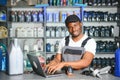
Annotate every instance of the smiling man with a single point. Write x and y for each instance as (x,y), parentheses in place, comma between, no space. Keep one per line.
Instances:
(76,50)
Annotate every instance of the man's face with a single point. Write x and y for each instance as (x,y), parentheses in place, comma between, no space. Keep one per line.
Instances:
(75,28)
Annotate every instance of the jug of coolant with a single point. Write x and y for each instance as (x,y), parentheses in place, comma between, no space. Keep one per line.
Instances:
(117,63)
(15,59)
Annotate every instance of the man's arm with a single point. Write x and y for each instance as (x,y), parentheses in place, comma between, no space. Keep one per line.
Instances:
(84,62)
(58,57)
(56,60)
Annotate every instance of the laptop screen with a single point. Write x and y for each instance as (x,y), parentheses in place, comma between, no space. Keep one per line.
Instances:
(36,64)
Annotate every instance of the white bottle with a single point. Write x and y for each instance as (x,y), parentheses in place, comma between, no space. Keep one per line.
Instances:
(52,48)
(57,32)
(15,61)
(40,31)
(35,47)
(47,32)
(26,48)
(35,32)
(40,44)
(66,32)
(11,32)
(62,32)
(56,46)
(52,32)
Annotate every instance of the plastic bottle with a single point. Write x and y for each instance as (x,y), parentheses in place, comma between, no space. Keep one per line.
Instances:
(66,32)
(117,63)
(40,15)
(48,47)
(57,32)
(62,32)
(34,16)
(35,32)
(0,59)
(28,16)
(26,48)
(3,63)
(47,32)
(35,47)
(15,59)
(56,46)
(52,32)
(52,48)
(40,44)
(25,52)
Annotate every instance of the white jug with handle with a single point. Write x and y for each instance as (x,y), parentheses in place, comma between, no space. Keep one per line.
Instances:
(15,60)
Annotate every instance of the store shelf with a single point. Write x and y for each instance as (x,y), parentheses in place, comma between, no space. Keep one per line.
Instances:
(100,10)
(104,53)
(27,37)
(77,9)
(110,22)
(101,6)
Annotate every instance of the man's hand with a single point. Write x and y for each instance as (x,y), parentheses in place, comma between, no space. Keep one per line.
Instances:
(53,62)
(53,68)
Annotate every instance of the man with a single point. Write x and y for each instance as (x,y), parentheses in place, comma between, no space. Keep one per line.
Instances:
(74,25)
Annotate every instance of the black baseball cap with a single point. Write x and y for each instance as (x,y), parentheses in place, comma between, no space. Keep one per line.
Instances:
(72,18)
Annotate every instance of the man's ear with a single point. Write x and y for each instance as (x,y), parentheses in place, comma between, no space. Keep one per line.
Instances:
(81,23)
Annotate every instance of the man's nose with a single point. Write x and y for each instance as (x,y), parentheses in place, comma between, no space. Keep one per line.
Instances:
(74,29)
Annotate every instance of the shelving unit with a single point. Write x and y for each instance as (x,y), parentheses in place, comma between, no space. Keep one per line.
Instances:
(53,20)
(22,28)
(3,25)
(27,31)
(57,26)
(27,24)
(102,12)
(3,36)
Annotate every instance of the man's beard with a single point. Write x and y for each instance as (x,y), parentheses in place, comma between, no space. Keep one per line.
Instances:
(74,36)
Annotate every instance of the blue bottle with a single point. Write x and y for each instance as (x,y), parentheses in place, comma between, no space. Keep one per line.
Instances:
(48,47)
(117,63)
(0,59)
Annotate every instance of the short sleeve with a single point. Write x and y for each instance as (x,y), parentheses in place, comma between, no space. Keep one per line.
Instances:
(91,46)
(61,45)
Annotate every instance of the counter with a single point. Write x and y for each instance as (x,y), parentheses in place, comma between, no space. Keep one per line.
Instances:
(77,76)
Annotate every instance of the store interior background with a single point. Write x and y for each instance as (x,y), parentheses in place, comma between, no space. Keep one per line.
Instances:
(38,42)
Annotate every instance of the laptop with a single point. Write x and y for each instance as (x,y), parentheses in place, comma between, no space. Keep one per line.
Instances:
(37,68)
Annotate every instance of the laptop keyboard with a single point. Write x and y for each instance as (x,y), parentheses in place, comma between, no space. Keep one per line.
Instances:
(57,72)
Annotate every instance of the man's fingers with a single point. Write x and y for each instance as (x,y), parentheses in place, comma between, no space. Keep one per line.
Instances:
(51,69)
